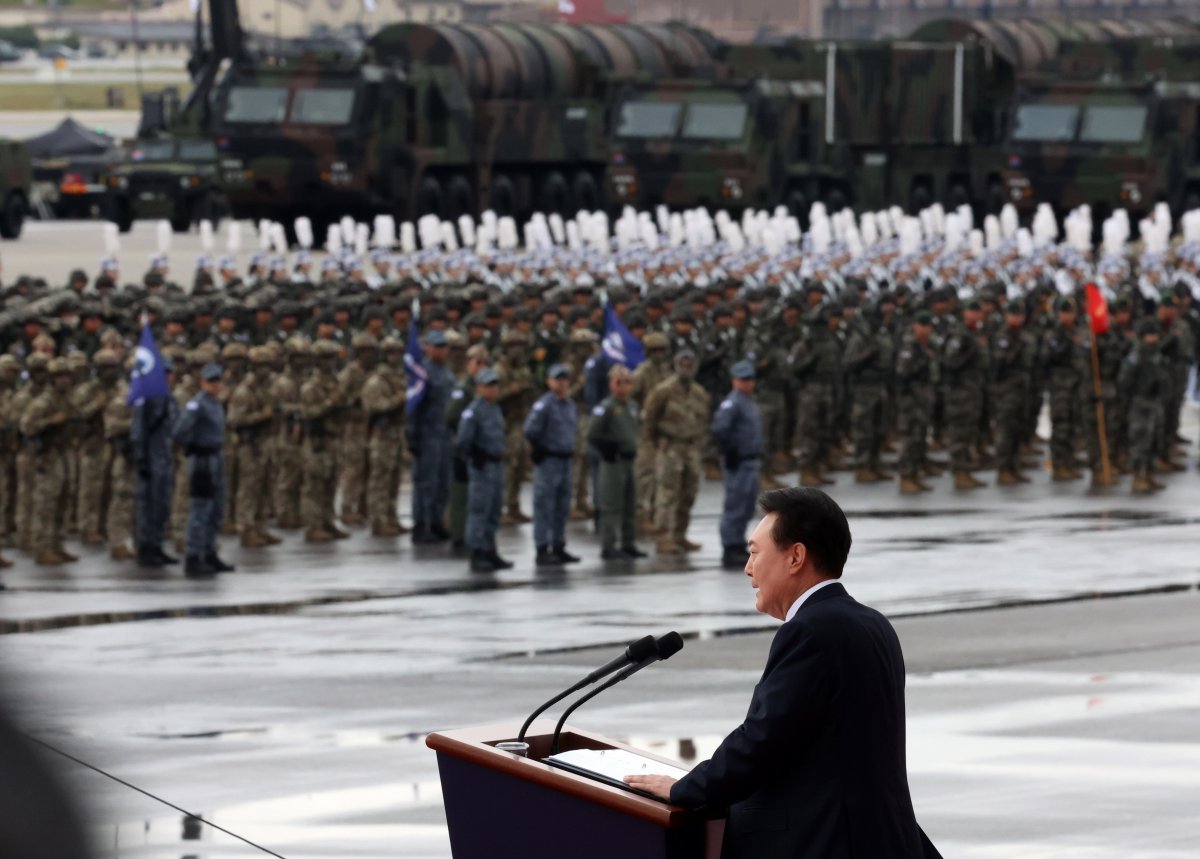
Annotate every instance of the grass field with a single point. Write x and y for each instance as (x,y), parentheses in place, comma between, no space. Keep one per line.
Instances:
(68,96)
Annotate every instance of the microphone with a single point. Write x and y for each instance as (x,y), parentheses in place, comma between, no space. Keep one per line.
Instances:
(668,646)
(638,651)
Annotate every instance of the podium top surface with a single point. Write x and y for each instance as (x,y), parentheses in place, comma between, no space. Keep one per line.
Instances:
(477,745)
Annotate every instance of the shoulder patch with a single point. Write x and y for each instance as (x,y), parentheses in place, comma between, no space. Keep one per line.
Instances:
(193,406)
(538,406)
(469,413)
(727,404)
(457,394)
(598,411)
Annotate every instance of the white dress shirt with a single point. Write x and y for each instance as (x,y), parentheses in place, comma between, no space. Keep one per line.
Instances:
(800,599)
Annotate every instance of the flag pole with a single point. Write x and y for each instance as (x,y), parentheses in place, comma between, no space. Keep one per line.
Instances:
(1098,389)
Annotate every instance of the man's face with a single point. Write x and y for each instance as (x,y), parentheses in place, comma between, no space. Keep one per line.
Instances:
(213,388)
(490,392)
(685,368)
(559,386)
(772,571)
(922,332)
(1014,320)
(62,382)
(745,386)
(619,387)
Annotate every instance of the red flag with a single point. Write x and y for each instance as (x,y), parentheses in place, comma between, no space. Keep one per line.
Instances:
(1097,309)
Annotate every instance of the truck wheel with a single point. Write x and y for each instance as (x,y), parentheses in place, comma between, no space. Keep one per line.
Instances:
(12,216)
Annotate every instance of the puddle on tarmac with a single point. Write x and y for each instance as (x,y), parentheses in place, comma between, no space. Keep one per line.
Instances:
(351,738)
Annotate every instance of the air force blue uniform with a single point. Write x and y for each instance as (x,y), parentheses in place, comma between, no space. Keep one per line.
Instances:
(154,422)
(432,450)
(481,442)
(550,429)
(737,430)
(201,432)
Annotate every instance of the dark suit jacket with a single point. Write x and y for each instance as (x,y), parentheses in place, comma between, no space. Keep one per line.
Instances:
(817,769)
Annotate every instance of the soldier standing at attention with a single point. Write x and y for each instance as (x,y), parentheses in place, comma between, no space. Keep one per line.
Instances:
(461,397)
(737,431)
(964,364)
(655,370)
(320,400)
(353,452)
(431,448)
(10,372)
(816,366)
(916,380)
(516,395)
(550,429)
(613,432)
(1010,388)
(201,433)
(44,425)
(677,414)
(1144,382)
(154,421)
(37,366)
(480,438)
(250,415)
(1065,379)
(95,457)
(383,396)
(869,361)
(581,355)
(118,421)
(234,357)
(285,394)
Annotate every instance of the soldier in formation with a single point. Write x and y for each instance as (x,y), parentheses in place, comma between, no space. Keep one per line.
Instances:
(870,337)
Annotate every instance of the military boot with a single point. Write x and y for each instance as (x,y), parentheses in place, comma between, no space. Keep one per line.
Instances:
(318,535)
(353,518)
(195,566)
(581,514)
(864,475)
(966,480)
(481,562)
(252,540)
(518,517)
(122,553)
(214,561)
(498,562)
(546,557)
(271,539)
(1163,466)
(1007,477)
(1142,484)
(93,538)
(689,546)
(228,528)
(1155,483)
(810,477)
(65,556)
(385,529)
(1063,473)
(47,558)
(910,486)
(882,476)
(338,533)
(1099,480)
(929,468)
(767,481)
(149,558)
(565,557)
(712,471)
(667,546)
(5,563)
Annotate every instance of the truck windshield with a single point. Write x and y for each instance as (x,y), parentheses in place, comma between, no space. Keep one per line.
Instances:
(152,151)
(197,150)
(256,104)
(322,106)
(714,121)
(1046,122)
(649,119)
(1113,124)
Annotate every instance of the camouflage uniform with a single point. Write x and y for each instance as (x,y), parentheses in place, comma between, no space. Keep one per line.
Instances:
(964,363)
(869,358)
(655,370)
(352,454)
(816,364)
(44,425)
(37,365)
(1011,371)
(320,400)
(916,380)
(1065,378)
(583,346)
(233,357)
(517,393)
(80,367)
(249,413)
(1144,380)
(95,456)
(677,416)
(10,444)
(186,387)
(285,394)
(383,396)
(118,423)
(614,431)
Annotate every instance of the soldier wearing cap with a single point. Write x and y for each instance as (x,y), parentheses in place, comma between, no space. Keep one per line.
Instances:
(353,450)
(118,421)
(320,404)
(431,449)
(150,434)
(1063,359)
(481,439)
(44,424)
(250,415)
(10,444)
(37,366)
(478,358)
(95,456)
(869,361)
(383,397)
(1178,348)
(288,426)
(1144,383)
(201,433)
(1012,364)
(816,365)
(234,359)
(550,430)
(613,432)
(652,372)
(186,386)
(964,366)
(916,381)
(737,432)
(581,352)
(517,393)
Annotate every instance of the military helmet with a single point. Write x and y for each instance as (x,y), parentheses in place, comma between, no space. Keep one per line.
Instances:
(364,340)
(655,340)
(235,350)
(58,367)
(1149,325)
(106,358)
(260,355)
(513,337)
(391,344)
(37,361)
(9,363)
(455,340)
(77,360)
(583,335)
(326,349)
(297,346)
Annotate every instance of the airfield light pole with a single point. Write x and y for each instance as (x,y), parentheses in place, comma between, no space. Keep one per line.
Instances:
(137,47)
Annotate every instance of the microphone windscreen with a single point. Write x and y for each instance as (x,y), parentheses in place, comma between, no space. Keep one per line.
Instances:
(669,645)
(643,649)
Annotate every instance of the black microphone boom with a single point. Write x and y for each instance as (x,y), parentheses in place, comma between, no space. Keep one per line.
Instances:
(668,646)
(636,652)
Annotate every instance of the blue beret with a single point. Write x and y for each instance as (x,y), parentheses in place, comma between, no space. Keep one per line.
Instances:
(559,371)
(487,376)
(436,337)
(743,370)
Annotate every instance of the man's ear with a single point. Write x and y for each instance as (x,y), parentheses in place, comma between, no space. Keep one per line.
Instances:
(796,556)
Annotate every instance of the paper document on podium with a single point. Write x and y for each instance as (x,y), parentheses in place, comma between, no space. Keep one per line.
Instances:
(612,765)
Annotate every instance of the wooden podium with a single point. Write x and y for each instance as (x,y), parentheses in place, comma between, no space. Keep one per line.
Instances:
(501,806)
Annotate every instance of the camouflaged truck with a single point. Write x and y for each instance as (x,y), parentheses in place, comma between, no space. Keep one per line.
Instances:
(1104,113)
(865,124)
(171,177)
(445,119)
(16,177)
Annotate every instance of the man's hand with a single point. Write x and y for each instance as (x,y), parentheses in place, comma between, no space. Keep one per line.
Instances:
(659,785)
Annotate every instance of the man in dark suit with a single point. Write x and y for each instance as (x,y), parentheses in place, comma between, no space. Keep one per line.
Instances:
(817,769)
